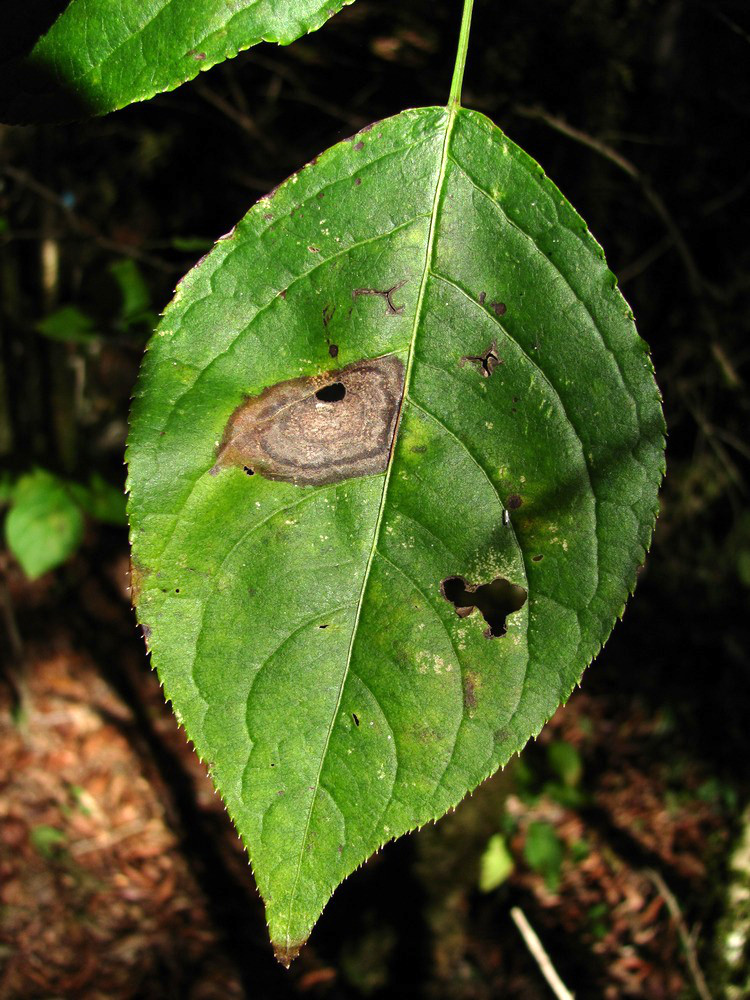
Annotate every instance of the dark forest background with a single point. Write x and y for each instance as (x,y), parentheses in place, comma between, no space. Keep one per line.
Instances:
(120,875)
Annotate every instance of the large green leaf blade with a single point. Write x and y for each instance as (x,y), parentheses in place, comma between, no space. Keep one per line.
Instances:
(62,60)
(301,631)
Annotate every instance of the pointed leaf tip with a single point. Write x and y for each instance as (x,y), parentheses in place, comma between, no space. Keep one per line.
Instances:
(285,954)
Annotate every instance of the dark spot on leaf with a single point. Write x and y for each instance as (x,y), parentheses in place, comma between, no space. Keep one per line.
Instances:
(495,601)
(486,362)
(251,591)
(333,350)
(246,469)
(321,194)
(314,249)
(177,590)
(537,558)
(282,294)
(386,294)
(356,719)
(357,181)
(146,632)
(268,217)
(482,297)
(359,145)
(286,434)
(328,312)
(332,393)
(514,502)
(198,56)
(419,449)
(499,308)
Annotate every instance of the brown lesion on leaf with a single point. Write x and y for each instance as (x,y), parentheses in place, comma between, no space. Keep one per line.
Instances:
(387,294)
(319,429)
(135,582)
(286,953)
(486,362)
(495,601)
(471,683)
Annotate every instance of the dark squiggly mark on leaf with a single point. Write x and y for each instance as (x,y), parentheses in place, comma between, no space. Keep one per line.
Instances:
(320,429)
(386,294)
(495,601)
(486,362)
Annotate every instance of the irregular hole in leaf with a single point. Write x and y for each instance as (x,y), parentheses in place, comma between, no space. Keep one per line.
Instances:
(356,718)
(248,471)
(331,393)
(486,362)
(285,434)
(495,600)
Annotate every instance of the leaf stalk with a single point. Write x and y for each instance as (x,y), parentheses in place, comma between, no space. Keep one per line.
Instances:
(454,100)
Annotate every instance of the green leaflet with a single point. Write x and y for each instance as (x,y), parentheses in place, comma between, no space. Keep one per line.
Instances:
(300,631)
(63,59)
(44,525)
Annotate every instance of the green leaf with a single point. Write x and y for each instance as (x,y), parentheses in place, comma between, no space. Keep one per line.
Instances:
(100,500)
(46,840)
(544,852)
(314,622)
(100,55)
(496,864)
(136,299)
(44,524)
(68,323)
(565,761)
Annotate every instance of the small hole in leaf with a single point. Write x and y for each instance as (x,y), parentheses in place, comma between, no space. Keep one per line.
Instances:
(177,590)
(356,718)
(495,601)
(537,558)
(248,470)
(331,393)
(322,626)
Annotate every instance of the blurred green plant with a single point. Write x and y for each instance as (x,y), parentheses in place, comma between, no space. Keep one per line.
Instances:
(544,853)
(46,518)
(46,840)
(496,864)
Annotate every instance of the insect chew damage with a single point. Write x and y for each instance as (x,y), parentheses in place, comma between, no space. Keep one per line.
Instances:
(495,601)
(319,429)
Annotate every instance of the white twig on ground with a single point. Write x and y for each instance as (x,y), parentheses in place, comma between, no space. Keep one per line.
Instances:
(540,956)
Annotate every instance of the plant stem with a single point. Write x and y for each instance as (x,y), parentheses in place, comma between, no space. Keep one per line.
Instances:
(454,101)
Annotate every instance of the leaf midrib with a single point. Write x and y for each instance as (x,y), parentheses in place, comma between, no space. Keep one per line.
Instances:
(429,251)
